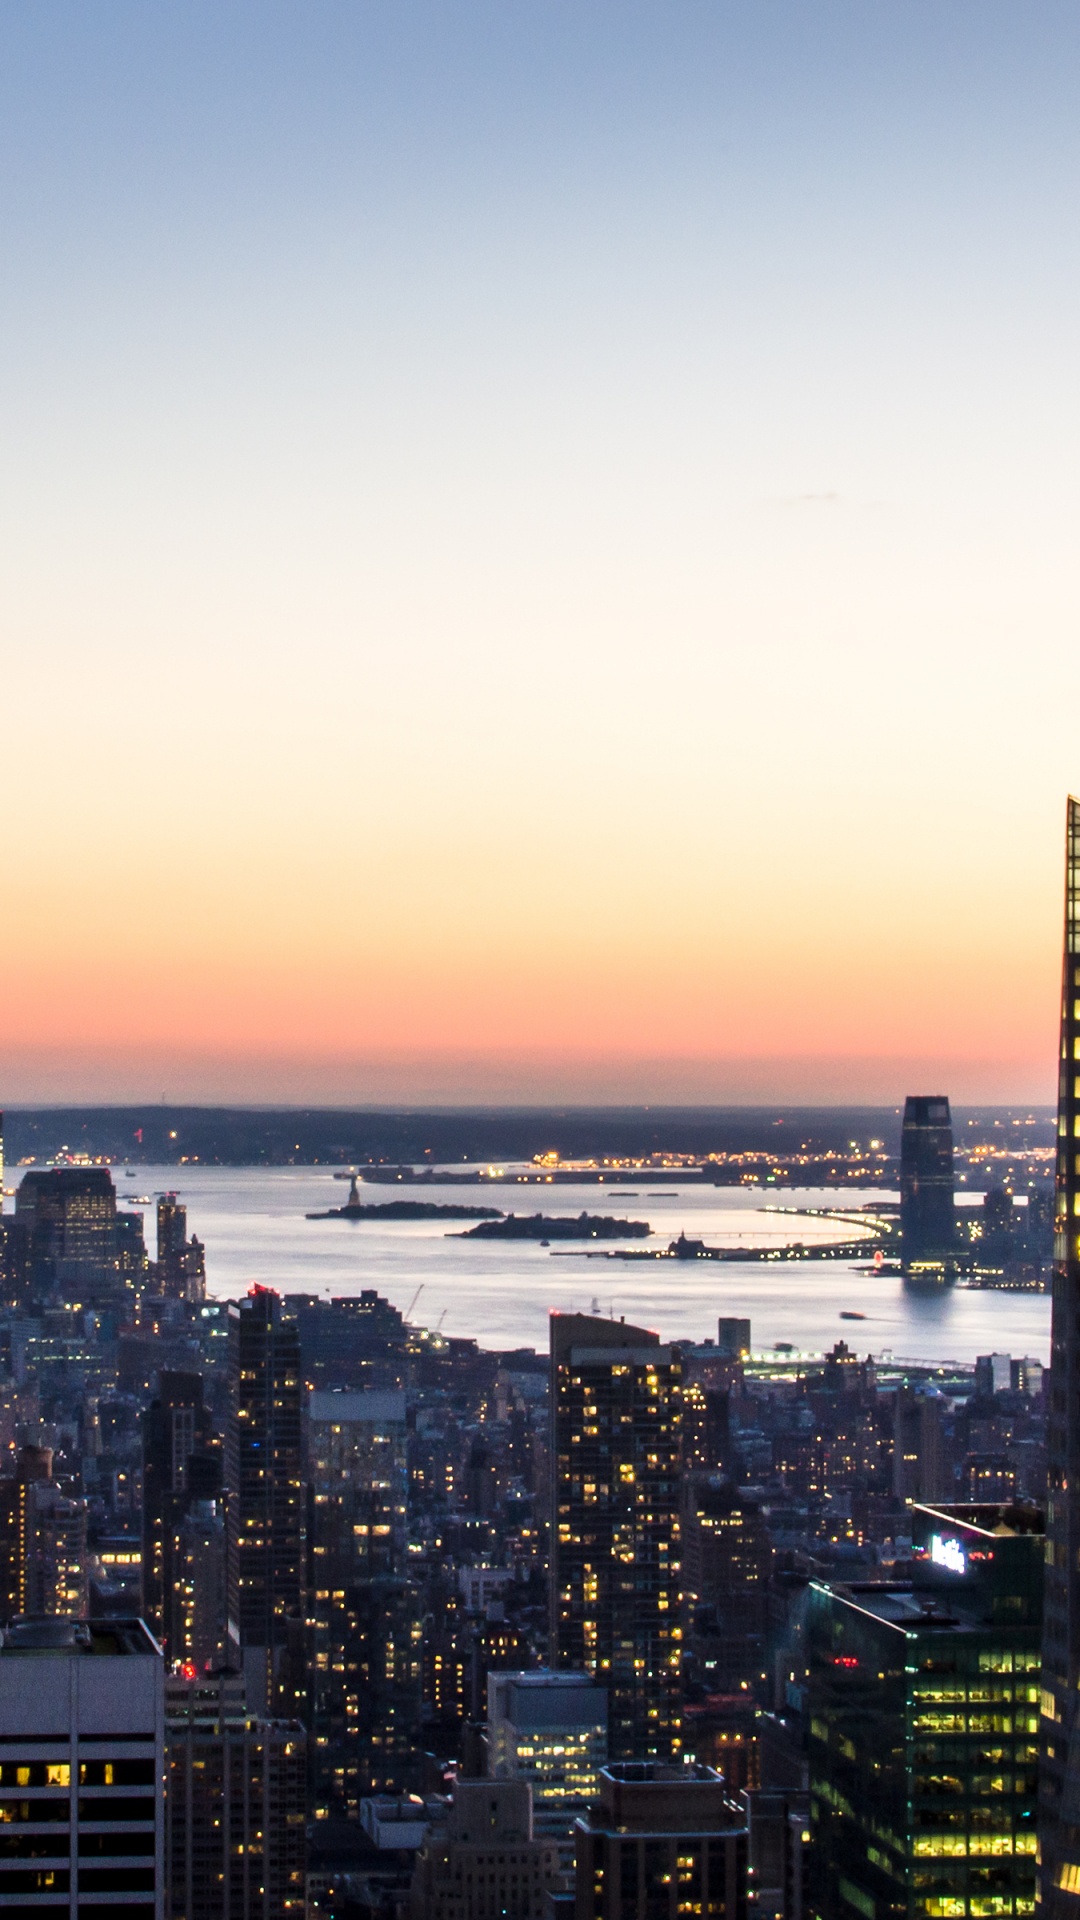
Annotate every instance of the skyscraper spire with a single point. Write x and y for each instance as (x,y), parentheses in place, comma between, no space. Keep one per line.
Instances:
(1060,1821)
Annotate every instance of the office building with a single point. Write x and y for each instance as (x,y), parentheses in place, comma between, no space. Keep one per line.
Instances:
(177,1437)
(922,1470)
(663,1841)
(551,1730)
(927,1209)
(81,1767)
(180,1268)
(616,1575)
(364,1616)
(264,1475)
(236,1801)
(1060,1807)
(483,1862)
(132,1264)
(733,1338)
(727,1563)
(70,1217)
(993,1373)
(924,1720)
(199,1632)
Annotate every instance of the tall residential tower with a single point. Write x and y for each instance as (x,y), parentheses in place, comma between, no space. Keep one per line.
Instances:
(616,1414)
(1060,1810)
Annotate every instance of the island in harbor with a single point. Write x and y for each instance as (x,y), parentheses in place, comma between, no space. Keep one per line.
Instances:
(543,1227)
(357,1209)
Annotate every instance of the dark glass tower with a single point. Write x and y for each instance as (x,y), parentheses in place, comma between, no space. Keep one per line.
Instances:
(924,1714)
(176,1428)
(267,1500)
(1060,1811)
(927,1217)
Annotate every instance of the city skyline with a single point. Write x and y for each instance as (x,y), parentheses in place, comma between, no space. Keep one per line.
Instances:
(539,556)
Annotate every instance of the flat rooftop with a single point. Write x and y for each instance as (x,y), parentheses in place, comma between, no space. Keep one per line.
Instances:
(50,1636)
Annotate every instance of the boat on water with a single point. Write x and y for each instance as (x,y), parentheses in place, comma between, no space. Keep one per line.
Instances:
(848,1314)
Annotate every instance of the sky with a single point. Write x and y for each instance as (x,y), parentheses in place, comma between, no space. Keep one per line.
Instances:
(539,548)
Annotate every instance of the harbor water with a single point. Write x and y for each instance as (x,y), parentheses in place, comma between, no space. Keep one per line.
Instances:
(254,1226)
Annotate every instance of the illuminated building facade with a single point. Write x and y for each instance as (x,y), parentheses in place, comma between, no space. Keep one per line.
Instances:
(363,1617)
(616,1410)
(549,1729)
(1060,1811)
(927,1188)
(44,1563)
(70,1217)
(924,1719)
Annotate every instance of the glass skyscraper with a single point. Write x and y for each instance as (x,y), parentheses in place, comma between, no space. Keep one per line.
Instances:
(927,1217)
(1060,1811)
(924,1718)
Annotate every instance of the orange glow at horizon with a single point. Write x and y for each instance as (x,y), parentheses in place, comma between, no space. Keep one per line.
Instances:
(539,571)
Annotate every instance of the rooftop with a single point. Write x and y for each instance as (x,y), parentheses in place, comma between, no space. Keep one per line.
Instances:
(52,1636)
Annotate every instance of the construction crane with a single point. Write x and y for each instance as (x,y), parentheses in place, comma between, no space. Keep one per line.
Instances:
(413,1301)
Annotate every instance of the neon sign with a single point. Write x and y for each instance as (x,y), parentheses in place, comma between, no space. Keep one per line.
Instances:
(947,1553)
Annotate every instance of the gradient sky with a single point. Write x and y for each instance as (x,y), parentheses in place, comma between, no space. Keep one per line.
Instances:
(540,548)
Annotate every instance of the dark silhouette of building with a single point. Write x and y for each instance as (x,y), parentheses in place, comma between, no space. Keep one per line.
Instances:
(727,1564)
(1060,1810)
(177,1436)
(483,1858)
(264,1476)
(615,1526)
(132,1265)
(922,1470)
(180,1269)
(364,1614)
(923,1714)
(663,1841)
(235,1806)
(927,1212)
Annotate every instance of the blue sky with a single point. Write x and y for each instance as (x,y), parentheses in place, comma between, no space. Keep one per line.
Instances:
(579,497)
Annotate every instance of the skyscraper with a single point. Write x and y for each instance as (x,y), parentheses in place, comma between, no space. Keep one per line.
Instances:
(176,1426)
(364,1615)
(180,1268)
(927,1218)
(1060,1774)
(235,1841)
(43,1559)
(70,1213)
(924,1715)
(264,1475)
(616,1417)
(81,1764)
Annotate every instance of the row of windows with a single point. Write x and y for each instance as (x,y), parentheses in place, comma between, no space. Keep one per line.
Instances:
(958,1846)
(91,1880)
(92,1773)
